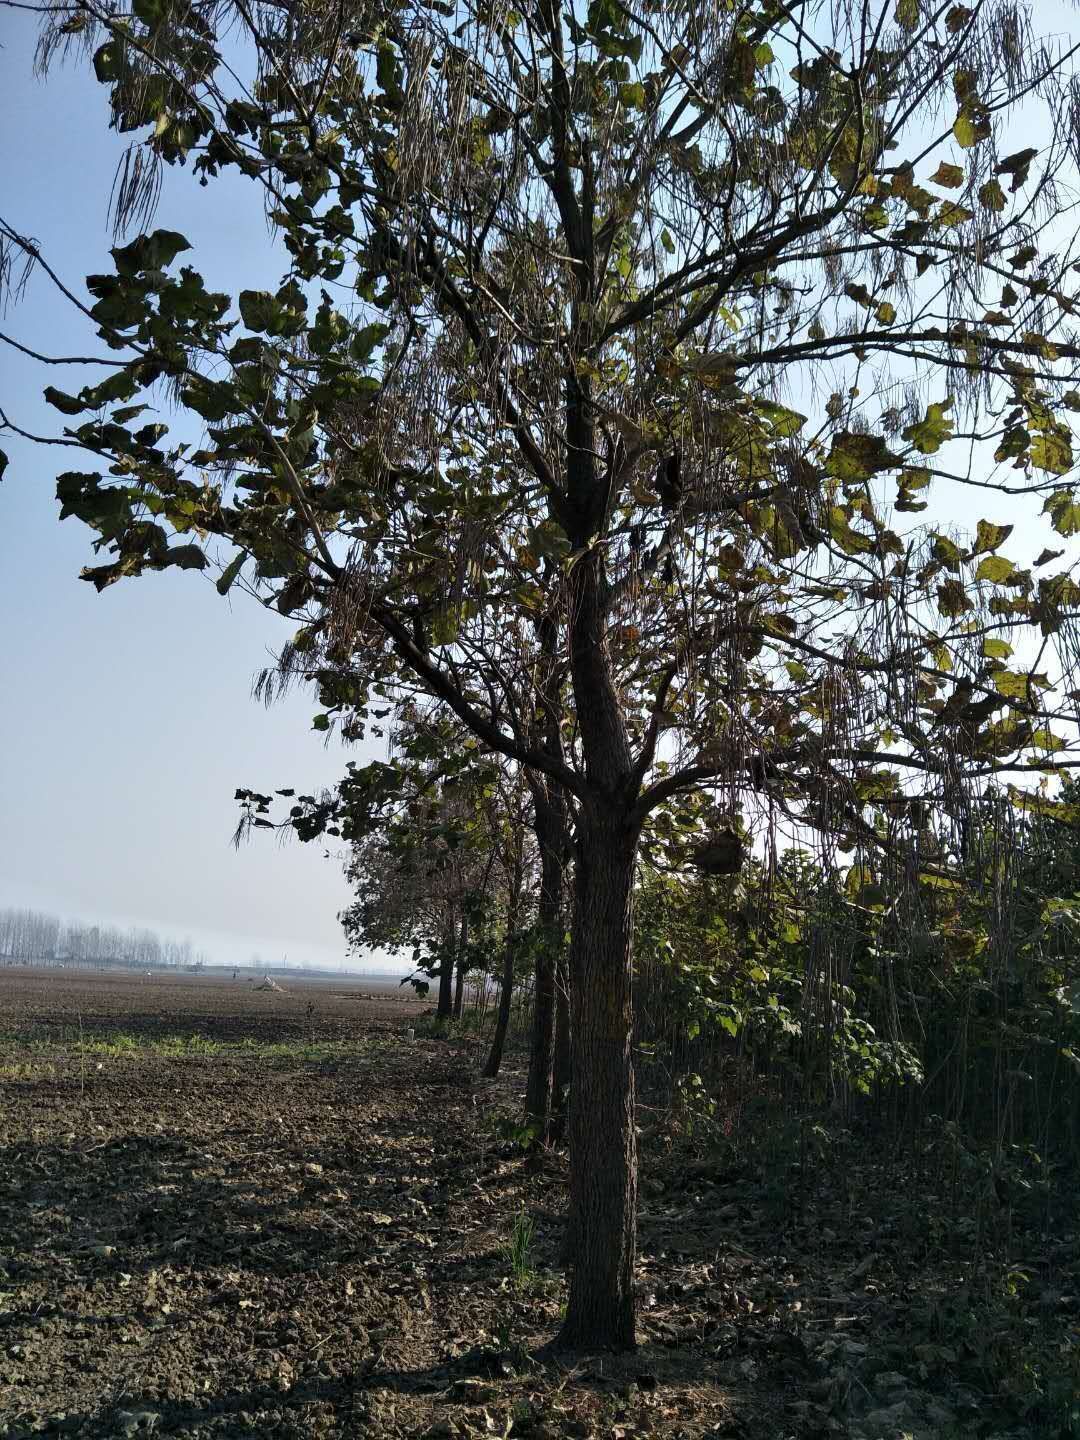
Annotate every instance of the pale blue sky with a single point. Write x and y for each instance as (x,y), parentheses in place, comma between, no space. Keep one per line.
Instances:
(128,722)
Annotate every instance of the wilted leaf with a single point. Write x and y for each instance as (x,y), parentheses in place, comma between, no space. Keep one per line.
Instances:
(992,197)
(858,457)
(990,537)
(953,599)
(1017,166)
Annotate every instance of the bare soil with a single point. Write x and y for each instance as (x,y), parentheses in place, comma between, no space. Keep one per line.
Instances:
(233,1213)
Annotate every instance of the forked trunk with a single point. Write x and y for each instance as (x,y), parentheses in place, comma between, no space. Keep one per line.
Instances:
(603,1151)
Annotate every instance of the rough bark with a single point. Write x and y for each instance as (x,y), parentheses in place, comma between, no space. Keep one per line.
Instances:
(602,1221)
(560,1088)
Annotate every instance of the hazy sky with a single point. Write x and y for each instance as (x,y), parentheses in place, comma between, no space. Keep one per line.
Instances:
(127,721)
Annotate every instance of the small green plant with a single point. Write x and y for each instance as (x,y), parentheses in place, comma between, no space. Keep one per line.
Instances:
(519,1250)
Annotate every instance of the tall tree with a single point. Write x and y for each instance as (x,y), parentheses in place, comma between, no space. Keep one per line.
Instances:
(587,261)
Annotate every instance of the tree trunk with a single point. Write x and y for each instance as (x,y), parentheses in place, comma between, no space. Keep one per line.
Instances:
(563,1068)
(459,984)
(446,974)
(502,1021)
(603,1149)
(549,942)
(551,824)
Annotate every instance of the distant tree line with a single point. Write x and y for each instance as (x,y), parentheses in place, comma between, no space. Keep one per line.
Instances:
(33,937)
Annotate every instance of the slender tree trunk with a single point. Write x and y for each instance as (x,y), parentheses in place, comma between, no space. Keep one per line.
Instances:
(459,984)
(446,974)
(563,1065)
(603,1151)
(549,922)
(502,1020)
(551,824)
(506,994)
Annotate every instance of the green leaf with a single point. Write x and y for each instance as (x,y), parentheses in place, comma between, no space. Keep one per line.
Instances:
(224,581)
(109,62)
(365,341)
(150,12)
(785,422)
(150,252)
(851,542)
(946,552)
(258,309)
(950,214)
(186,557)
(66,404)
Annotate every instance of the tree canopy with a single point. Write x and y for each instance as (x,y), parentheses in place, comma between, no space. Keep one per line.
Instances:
(622,359)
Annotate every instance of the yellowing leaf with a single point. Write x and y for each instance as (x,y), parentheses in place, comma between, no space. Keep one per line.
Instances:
(950,214)
(1064,512)
(992,197)
(949,177)
(856,457)
(965,132)
(1052,451)
(990,537)
(996,569)
(1012,685)
(930,433)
